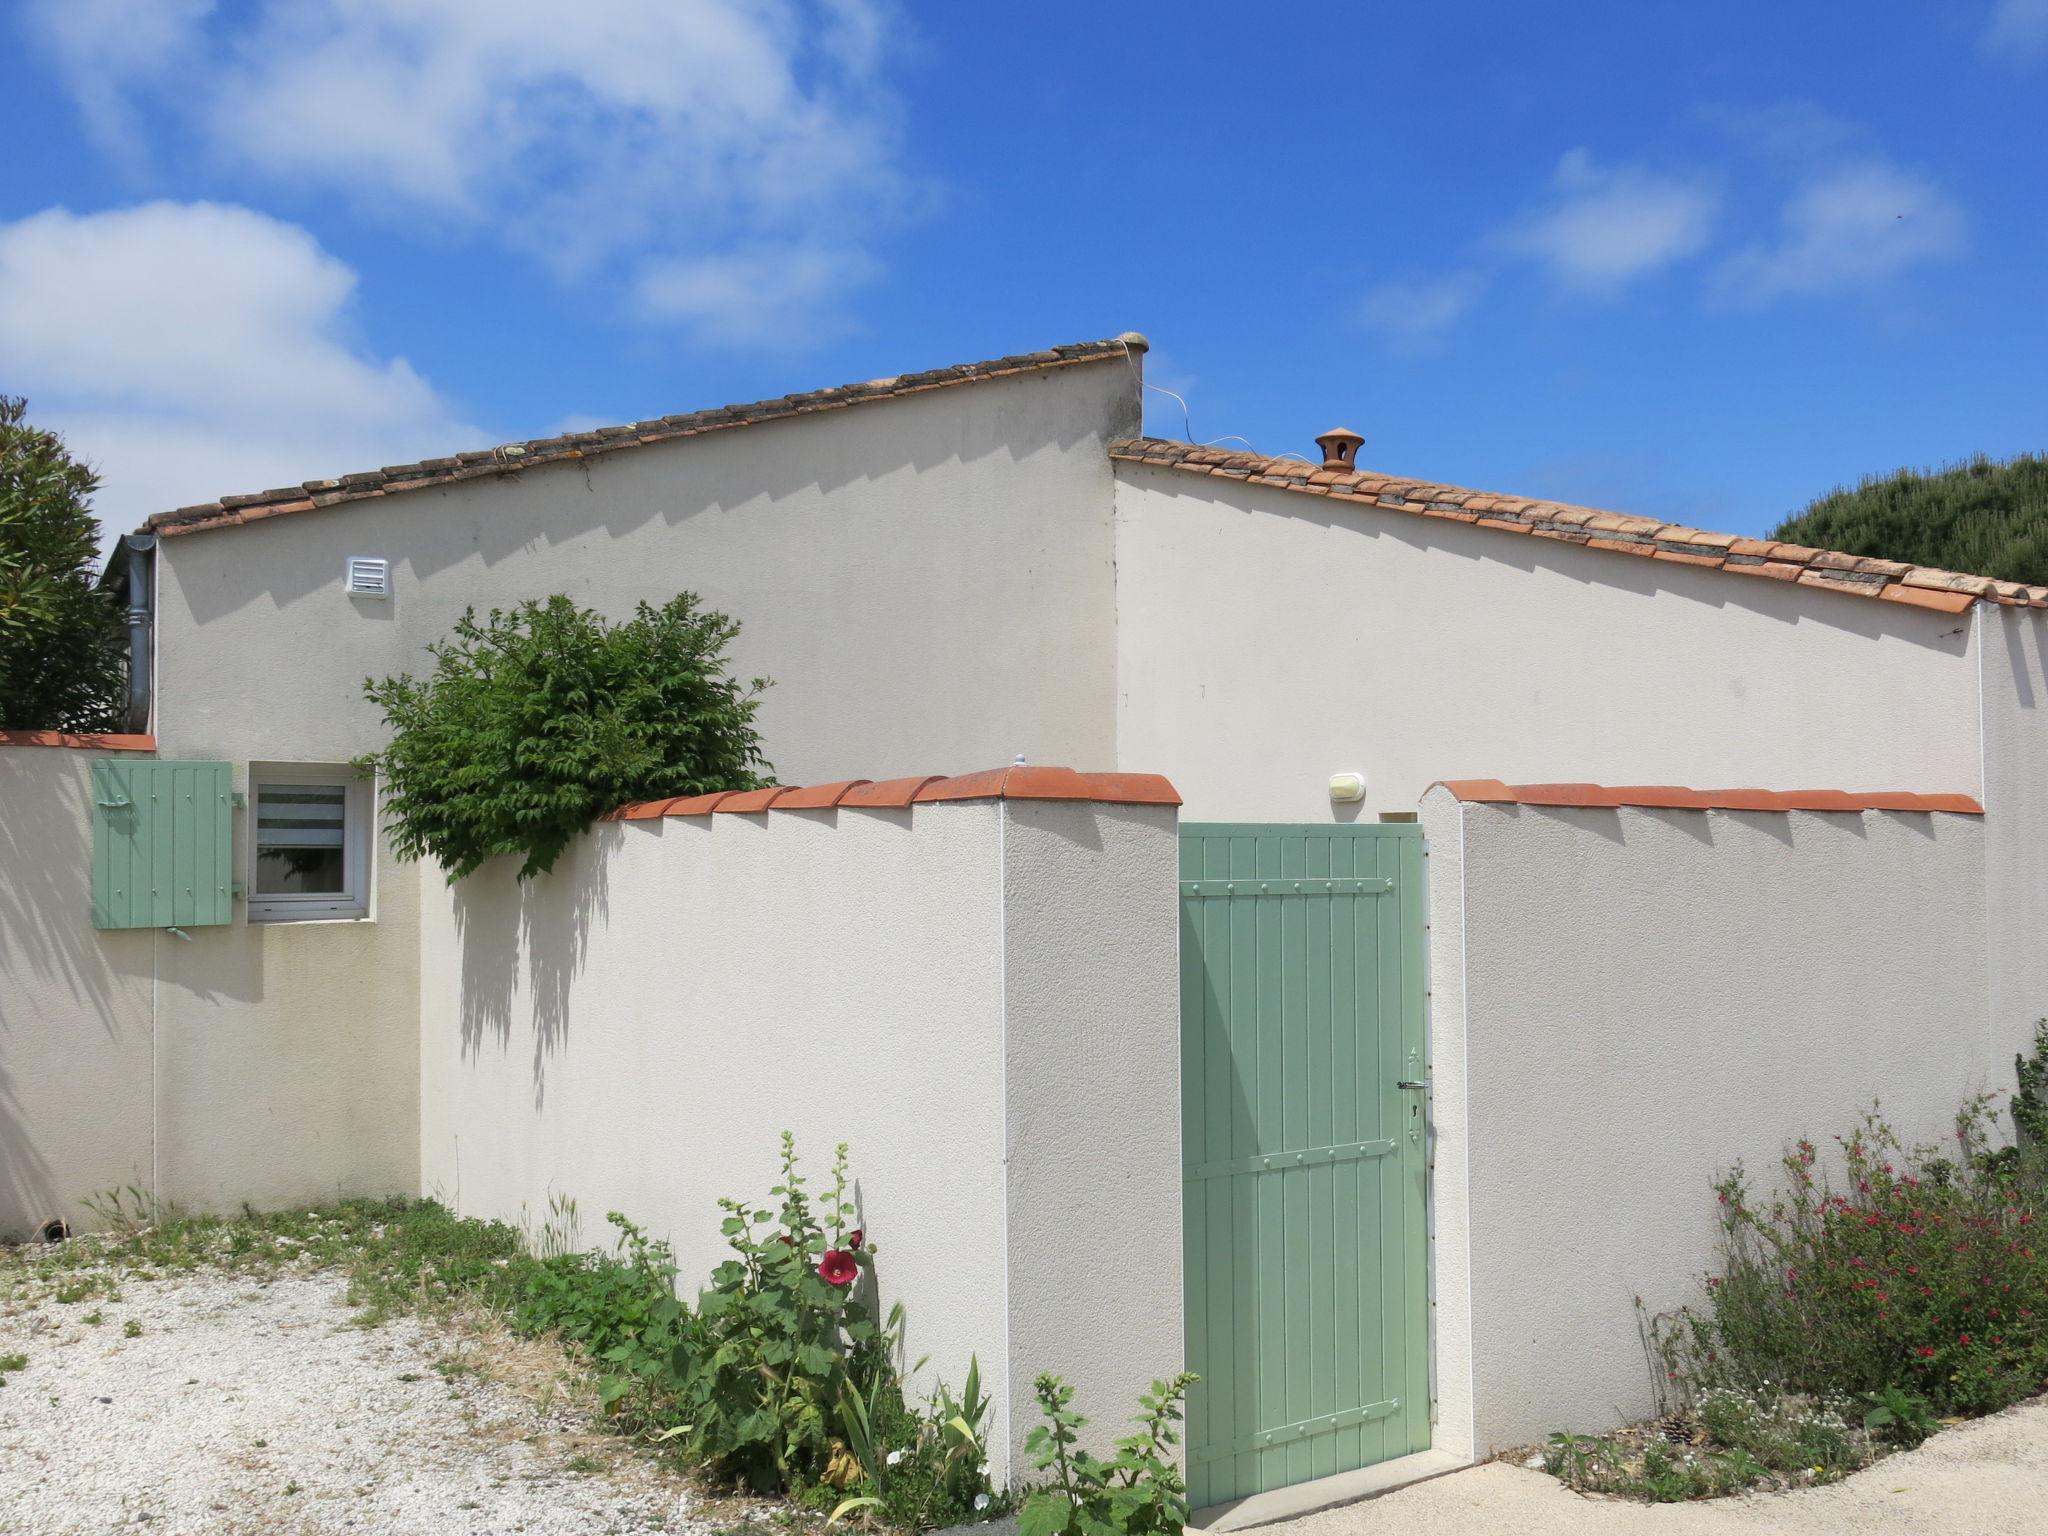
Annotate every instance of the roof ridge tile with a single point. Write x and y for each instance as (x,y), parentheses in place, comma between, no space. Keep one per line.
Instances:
(1677,797)
(1617,532)
(510,458)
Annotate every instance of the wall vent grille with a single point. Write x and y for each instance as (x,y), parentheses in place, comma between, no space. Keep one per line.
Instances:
(368,576)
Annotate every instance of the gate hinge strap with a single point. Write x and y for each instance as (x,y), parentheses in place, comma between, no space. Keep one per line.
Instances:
(1267,1438)
(1280,1162)
(1327,885)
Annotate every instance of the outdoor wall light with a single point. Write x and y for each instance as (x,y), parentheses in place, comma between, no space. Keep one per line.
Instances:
(1346,787)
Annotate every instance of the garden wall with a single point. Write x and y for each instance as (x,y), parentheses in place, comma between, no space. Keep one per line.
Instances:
(76,1025)
(1627,1000)
(975,988)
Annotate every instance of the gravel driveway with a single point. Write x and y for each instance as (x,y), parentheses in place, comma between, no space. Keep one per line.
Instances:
(1987,1478)
(220,1403)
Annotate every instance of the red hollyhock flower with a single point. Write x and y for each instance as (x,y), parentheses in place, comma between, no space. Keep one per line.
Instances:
(854,1239)
(837,1267)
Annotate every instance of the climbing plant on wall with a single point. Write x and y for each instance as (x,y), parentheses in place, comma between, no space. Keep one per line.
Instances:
(540,718)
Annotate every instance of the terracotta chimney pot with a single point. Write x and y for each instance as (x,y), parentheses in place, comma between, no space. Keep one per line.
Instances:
(1340,447)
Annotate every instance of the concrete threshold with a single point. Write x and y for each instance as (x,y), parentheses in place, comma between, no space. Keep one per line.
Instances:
(1327,1492)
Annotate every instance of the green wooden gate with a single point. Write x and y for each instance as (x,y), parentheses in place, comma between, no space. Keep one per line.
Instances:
(1303,956)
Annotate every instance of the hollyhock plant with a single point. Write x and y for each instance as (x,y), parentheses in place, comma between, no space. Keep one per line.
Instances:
(780,1335)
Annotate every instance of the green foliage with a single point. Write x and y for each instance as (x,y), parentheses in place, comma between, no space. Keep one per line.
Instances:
(1137,1492)
(780,1341)
(775,1341)
(15,1361)
(2030,1102)
(1981,516)
(916,1473)
(1727,1441)
(63,643)
(619,1309)
(537,721)
(1900,1416)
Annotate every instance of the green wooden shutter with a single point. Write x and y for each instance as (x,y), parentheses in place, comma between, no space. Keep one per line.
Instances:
(162,844)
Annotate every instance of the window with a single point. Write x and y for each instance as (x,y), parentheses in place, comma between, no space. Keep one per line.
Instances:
(309,843)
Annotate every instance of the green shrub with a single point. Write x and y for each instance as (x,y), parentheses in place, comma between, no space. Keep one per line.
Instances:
(1137,1492)
(539,720)
(63,641)
(1980,516)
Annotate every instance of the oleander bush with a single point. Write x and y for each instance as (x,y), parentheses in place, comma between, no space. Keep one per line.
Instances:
(1882,1289)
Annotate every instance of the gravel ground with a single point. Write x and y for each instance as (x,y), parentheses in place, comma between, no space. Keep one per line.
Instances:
(214,1402)
(1986,1478)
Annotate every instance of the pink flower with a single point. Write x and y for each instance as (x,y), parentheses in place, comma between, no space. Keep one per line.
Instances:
(837,1267)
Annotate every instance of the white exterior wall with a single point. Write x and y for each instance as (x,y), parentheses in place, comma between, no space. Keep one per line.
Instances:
(2013,647)
(928,579)
(1628,1002)
(1091,974)
(1268,639)
(635,1029)
(75,1022)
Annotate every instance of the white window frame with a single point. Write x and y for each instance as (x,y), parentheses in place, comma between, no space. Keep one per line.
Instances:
(358,816)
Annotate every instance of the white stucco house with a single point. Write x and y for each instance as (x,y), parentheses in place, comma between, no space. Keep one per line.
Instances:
(1450,884)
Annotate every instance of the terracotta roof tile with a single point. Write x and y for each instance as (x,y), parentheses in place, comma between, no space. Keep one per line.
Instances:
(1017,782)
(107,741)
(1675,797)
(511,458)
(1856,575)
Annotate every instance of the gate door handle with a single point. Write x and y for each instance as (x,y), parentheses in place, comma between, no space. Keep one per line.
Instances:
(1408,1082)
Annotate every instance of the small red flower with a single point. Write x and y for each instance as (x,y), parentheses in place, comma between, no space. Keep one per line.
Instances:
(1962,1338)
(855,1238)
(1924,1352)
(837,1267)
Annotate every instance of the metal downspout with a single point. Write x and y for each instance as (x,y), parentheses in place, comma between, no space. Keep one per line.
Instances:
(141,552)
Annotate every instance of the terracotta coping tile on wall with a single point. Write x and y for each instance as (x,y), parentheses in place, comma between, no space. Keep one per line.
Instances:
(887,794)
(1017,782)
(1676,797)
(1021,782)
(751,800)
(817,797)
(102,741)
(1674,543)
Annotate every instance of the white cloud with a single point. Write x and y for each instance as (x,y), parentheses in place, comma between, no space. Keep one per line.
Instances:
(596,138)
(194,349)
(1603,227)
(106,48)
(1414,315)
(1850,226)
(766,296)
(2018,29)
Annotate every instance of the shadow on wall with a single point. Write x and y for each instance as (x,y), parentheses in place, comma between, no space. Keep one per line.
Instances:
(760,469)
(70,995)
(546,920)
(46,932)
(27,1182)
(1784,602)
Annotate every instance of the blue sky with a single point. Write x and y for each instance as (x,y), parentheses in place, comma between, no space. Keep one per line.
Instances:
(1702,262)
